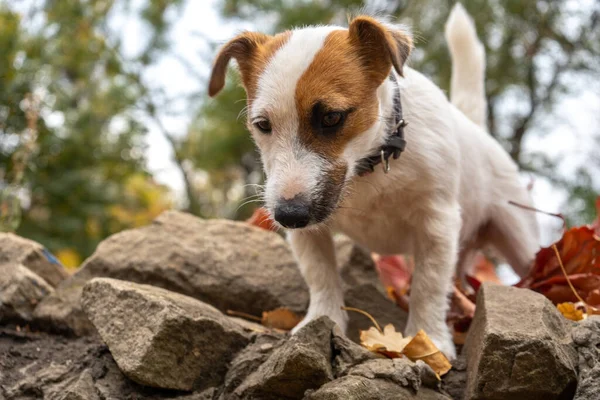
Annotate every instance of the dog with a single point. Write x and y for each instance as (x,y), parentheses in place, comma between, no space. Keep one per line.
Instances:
(353,140)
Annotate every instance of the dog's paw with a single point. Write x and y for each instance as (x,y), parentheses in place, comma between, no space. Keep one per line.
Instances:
(339,316)
(446,346)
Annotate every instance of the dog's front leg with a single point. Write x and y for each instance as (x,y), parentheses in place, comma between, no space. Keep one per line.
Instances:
(436,245)
(315,253)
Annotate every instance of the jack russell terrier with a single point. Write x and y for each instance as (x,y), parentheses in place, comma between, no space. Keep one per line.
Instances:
(353,140)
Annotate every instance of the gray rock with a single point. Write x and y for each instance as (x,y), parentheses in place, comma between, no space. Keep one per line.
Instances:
(369,298)
(20,291)
(518,347)
(17,250)
(160,338)
(400,371)
(347,353)
(586,336)
(354,387)
(248,360)
(61,310)
(455,381)
(82,389)
(300,364)
(227,264)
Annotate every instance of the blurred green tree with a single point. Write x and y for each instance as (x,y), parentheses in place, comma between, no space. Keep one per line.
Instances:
(71,145)
(537,52)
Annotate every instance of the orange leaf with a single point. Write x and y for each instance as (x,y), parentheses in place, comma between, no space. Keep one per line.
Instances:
(569,311)
(262,219)
(280,318)
(579,250)
(422,348)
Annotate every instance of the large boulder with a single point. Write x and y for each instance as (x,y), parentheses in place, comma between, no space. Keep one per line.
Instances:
(161,338)
(519,347)
(20,291)
(17,250)
(227,264)
(586,336)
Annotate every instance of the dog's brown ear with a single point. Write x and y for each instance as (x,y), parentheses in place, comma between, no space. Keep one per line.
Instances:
(244,49)
(380,47)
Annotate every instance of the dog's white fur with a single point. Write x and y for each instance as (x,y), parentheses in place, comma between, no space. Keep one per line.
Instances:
(444,198)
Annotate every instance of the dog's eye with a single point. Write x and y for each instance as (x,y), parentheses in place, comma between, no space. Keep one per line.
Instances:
(331,119)
(263,125)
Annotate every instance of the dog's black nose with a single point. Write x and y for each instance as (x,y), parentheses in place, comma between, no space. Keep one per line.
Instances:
(294,213)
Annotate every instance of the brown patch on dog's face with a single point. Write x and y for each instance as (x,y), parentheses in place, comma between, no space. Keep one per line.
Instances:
(252,51)
(335,83)
(343,80)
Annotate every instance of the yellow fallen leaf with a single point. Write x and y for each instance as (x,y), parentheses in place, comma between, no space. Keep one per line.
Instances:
(392,344)
(422,348)
(388,342)
(569,311)
(280,318)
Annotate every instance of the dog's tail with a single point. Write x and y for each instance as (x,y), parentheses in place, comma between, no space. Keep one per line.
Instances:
(467,91)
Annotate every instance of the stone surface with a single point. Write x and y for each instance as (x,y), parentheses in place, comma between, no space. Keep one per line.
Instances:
(227,264)
(20,291)
(346,353)
(61,310)
(248,360)
(455,381)
(354,387)
(82,389)
(161,338)
(586,336)
(518,347)
(41,365)
(369,298)
(17,250)
(300,364)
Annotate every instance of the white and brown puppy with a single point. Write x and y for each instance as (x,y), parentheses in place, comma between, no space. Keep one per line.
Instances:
(323,102)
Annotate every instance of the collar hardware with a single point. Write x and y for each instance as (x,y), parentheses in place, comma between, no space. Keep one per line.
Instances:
(395,142)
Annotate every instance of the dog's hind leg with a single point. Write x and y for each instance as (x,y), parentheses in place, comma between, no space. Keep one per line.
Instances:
(513,232)
(315,253)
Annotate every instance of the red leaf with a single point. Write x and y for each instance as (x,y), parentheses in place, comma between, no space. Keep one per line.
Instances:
(262,219)
(579,250)
(394,271)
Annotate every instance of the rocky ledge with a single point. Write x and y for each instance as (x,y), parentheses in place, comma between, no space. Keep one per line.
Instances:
(144,318)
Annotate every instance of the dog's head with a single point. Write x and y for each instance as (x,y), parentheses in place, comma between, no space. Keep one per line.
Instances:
(313,108)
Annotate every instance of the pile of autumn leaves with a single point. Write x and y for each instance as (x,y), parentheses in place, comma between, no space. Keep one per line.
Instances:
(567,273)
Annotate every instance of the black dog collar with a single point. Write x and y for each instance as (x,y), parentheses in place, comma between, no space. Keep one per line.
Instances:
(395,143)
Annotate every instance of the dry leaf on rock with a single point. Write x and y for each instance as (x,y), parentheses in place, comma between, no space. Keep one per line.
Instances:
(570,311)
(280,318)
(422,348)
(388,343)
(262,219)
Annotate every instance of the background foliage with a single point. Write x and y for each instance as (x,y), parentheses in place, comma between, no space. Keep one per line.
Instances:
(75,106)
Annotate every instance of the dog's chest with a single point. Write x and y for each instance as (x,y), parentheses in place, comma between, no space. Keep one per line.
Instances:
(375,220)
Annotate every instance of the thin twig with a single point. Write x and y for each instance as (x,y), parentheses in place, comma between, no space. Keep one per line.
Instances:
(366,314)
(525,207)
(564,271)
(244,315)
